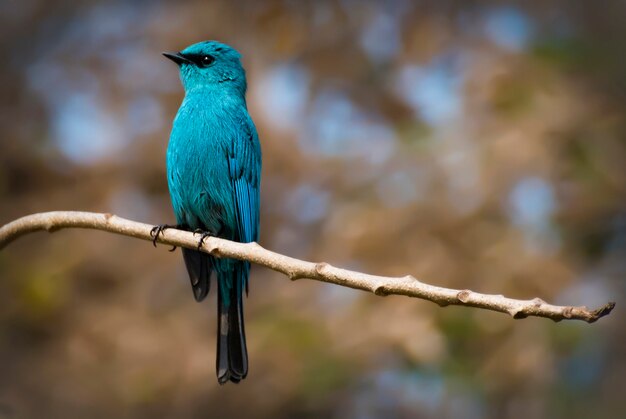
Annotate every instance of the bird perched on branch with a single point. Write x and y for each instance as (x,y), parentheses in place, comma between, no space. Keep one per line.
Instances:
(213,174)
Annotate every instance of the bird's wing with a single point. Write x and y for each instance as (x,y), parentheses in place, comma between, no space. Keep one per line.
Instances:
(245,171)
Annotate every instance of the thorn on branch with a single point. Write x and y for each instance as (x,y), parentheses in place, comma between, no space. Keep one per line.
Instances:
(519,314)
(215,251)
(255,245)
(567,312)
(51,228)
(319,268)
(463,295)
(537,302)
(602,311)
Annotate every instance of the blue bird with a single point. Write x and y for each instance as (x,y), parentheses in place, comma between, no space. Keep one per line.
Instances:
(213,174)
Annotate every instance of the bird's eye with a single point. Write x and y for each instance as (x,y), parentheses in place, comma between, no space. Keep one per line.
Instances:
(207,60)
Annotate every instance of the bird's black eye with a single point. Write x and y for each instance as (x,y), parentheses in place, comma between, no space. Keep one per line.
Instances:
(207,60)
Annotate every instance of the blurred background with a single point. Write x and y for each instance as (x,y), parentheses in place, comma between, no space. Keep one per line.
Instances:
(475,144)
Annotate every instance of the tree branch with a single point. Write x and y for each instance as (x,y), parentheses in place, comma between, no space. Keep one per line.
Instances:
(296,269)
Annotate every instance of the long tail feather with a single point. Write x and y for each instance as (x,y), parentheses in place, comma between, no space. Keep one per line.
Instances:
(232,354)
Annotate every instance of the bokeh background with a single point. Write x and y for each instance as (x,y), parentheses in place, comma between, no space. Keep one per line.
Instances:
(474,144)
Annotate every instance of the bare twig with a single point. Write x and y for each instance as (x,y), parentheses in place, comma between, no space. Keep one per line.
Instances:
(296,269)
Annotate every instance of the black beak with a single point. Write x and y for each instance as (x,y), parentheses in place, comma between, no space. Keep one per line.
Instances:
(177,57)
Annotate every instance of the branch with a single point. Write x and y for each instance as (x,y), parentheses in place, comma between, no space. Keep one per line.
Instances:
(297,269)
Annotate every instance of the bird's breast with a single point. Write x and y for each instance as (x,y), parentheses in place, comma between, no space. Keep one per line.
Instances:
(197,165)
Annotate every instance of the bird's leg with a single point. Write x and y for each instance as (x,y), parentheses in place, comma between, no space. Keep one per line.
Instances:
(158,229)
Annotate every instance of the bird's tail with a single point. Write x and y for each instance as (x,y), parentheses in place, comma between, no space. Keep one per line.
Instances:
(232,355)
(200,267)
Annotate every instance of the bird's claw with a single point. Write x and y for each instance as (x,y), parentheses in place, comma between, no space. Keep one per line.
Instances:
(159,229)
(204,235)
(154,233)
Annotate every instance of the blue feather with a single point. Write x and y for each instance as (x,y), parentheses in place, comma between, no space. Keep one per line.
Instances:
(214,172)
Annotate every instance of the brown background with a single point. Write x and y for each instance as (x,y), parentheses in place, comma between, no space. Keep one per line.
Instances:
(473,144)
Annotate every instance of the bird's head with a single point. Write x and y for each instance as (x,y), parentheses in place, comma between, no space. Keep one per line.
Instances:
(209,64)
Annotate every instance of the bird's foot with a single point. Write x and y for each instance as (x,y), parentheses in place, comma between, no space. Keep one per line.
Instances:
(203,236)
(158,229)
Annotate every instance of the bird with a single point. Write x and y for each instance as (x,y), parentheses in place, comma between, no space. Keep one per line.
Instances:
(213,164)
